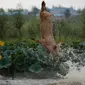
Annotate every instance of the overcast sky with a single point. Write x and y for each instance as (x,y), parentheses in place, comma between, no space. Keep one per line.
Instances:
(29,3)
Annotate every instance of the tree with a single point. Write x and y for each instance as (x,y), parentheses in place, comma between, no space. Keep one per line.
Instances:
(34,28)
(19,20)
(79,10)
(3,19)
(83,21)
(67,13)
(35,10)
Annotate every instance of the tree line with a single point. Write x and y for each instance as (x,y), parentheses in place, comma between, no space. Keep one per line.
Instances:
(18,26)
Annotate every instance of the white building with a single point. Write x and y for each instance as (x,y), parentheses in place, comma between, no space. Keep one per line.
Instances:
(59,12)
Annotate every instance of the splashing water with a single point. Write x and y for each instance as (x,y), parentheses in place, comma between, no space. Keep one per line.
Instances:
(77,68)
(74,73)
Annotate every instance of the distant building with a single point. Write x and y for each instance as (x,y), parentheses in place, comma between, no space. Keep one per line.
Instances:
(59,12)
(24,12)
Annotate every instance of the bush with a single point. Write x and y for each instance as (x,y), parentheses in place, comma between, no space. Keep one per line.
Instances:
(25,58)
(34,28)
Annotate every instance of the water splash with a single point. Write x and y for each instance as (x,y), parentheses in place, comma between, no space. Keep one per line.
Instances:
(76,64)
(75,73)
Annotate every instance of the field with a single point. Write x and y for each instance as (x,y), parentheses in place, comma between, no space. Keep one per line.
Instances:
(20,53)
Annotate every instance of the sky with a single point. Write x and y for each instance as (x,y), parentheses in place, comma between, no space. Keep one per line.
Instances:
(28,4)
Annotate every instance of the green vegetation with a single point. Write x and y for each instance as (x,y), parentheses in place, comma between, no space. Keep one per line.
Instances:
(83,22)
(3,20)
(20,57)
(18,27)
(23,58)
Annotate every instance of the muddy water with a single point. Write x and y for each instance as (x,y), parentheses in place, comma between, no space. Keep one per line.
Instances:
(26,82)
(41,82)
(74,77)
